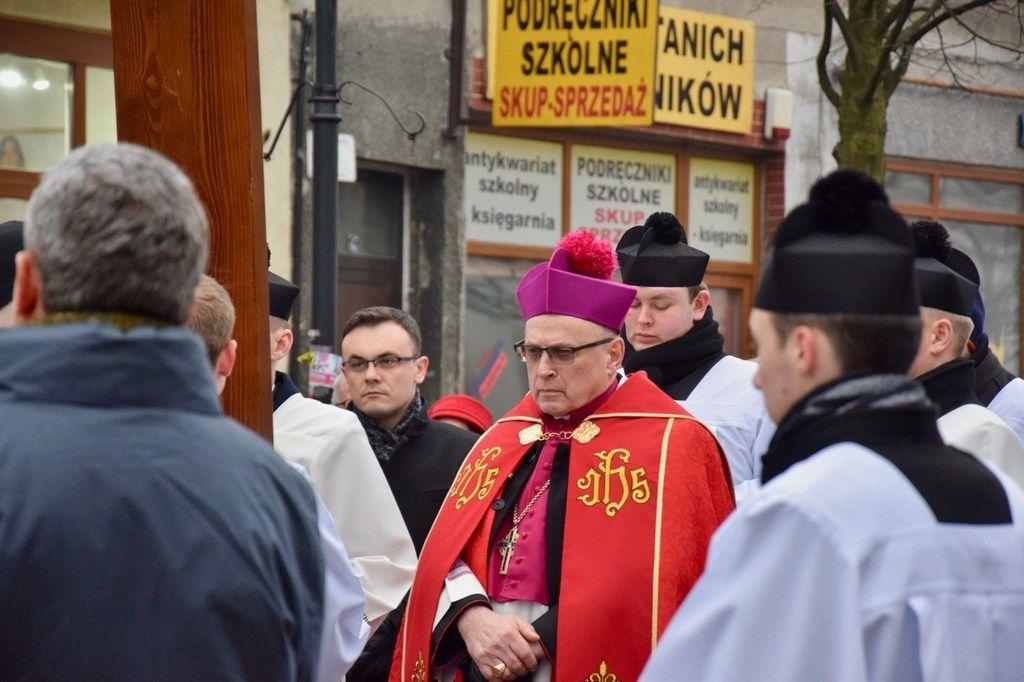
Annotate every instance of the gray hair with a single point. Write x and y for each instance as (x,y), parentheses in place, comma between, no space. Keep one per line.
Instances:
(118,228)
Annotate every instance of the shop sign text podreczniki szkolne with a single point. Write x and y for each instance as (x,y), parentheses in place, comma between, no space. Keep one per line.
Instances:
(574,62)
(612,189)
(705,73)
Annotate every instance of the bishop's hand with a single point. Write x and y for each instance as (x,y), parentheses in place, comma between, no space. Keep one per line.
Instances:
(493,639)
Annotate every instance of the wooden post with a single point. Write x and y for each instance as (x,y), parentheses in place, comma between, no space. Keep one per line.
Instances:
(186,78)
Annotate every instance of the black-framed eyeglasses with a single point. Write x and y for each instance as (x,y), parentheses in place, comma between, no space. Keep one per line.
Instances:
(388,362)
(560,355)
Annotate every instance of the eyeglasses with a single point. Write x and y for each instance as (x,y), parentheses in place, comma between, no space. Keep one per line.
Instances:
(388,362)
(559,355)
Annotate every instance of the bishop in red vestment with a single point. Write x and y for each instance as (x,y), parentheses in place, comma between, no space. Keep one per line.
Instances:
(581,519)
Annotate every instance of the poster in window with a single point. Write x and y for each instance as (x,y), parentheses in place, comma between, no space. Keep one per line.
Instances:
(513,190)
(721,220)
(614,189)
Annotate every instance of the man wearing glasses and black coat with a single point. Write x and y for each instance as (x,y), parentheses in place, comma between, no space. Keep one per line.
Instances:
(384,369)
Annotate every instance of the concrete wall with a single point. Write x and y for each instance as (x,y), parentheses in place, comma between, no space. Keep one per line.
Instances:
(399,48)
(274,30)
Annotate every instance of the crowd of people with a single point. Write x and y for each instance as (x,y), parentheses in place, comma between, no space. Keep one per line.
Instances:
(846,506)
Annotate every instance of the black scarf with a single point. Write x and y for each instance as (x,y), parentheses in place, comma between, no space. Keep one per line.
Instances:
(385,443)
(850,409)
(670,362)
(950,385)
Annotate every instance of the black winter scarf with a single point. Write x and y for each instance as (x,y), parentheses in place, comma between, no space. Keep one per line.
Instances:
(805,428)
(950,385)
(385,443)
(672,361)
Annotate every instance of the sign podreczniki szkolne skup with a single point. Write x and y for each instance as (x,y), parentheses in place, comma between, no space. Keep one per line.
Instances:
(575,62)
(705,71)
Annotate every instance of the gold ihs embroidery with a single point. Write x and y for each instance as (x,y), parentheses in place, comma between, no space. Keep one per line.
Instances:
(476,479)
(419,669)
(602,674)
(613,485)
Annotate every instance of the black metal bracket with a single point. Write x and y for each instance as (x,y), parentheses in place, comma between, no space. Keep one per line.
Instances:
(334,95)
(413,134)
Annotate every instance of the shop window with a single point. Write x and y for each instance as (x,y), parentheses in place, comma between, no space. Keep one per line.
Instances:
(493,371)
(908,188)
(727,305)
(980,195)
(56,93)
(983,209)
(12,209)
(996,251)
(100,111)
(35,112)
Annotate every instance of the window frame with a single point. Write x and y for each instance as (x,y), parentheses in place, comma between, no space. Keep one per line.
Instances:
(936,171)
(77,47)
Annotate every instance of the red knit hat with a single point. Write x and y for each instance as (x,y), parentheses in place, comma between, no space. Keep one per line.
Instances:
(465,408)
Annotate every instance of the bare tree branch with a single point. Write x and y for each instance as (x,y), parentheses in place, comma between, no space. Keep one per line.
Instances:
(903,8)
(899,71)
(976,35)
(924,15)
(833,9)
(949,65)
(946,14)
(823,76)
(898,21)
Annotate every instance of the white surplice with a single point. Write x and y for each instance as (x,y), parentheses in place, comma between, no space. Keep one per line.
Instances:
(838,570)
(983,433)
(345,628)
(331,445)
(727,401)
(1009,404)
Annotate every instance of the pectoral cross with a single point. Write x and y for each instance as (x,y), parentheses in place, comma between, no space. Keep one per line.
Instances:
(506,546)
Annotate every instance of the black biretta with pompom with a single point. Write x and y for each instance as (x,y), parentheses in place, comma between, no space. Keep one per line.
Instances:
(844,252)
(656,254)
(941,287)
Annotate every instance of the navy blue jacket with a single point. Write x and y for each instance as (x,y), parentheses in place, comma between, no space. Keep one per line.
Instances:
(144,535)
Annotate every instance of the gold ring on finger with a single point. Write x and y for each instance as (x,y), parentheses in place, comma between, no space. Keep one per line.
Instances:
(499,669)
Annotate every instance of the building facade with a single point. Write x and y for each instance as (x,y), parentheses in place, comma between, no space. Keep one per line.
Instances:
(445,224)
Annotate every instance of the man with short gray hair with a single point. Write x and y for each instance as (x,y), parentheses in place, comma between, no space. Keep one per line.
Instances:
(143,534)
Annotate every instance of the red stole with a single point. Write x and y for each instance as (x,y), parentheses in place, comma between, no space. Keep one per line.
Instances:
(647,488)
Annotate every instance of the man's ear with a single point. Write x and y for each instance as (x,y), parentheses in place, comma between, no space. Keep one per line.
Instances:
(27,298)
(941,336)
(422,365)
(226,359)
(803,347)
(281,344)
(700,304)
(616,353)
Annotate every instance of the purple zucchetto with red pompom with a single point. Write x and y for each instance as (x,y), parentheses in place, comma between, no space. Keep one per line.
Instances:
(577,282)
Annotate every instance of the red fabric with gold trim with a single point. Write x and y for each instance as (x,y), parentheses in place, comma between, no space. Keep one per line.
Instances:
(645,495)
